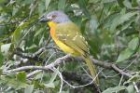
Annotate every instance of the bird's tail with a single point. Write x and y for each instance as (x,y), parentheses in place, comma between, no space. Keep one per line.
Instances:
(92,69)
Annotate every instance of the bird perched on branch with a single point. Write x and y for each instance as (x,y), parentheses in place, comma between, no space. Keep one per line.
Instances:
(68,37)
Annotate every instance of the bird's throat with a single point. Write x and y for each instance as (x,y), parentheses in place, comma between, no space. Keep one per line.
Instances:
(52,24)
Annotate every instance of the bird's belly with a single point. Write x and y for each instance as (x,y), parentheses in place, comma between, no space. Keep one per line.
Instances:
(62,45)
(66,48)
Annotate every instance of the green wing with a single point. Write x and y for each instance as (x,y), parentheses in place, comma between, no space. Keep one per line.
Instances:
(70,34)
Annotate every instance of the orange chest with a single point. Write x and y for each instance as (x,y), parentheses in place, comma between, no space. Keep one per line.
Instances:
(52,29)
(53,33)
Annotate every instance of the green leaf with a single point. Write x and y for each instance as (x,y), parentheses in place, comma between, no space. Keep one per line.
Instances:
(93,23)
(38,76)
(1,59)
(120,2)
(106,1)
(2,1)
(65,91)
(114,20)
(50,85)
(130,89)
(126,17)
(47,2)
(29,89)
(120,19)
(110,19)
(114,89)
(1,71)
(127,4)
(94,1)
(61,5)
(20,32)
(17,35)
(5,48)
(21,77)
(133,44)
(18,85)
(54,75)
(125,54)
(41,7)
(12,82)
(82,4)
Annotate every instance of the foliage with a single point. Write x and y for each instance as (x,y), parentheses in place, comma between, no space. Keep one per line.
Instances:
(111,28)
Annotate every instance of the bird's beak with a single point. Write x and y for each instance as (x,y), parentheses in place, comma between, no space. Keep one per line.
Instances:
(43,19)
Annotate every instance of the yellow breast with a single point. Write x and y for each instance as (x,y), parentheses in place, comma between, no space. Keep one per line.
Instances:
(59,43)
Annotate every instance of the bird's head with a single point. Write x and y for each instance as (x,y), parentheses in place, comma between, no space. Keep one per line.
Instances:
(55,16)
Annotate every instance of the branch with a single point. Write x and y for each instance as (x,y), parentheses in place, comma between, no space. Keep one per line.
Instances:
(111,66)
(53,64)
(58,61)
(64,58)
(34,56)
(115,68)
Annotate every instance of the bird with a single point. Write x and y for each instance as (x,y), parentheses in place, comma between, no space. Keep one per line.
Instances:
(68,37)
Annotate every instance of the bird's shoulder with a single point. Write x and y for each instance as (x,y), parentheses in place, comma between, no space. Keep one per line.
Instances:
(68,27)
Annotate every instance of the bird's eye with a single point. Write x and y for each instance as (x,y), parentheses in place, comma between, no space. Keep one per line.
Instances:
(53,16)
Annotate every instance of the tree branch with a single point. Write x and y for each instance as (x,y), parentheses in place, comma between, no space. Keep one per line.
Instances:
(65,58)
(111,66)
(53,64)
(34,56)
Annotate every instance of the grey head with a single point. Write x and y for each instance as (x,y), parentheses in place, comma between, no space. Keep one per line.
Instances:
(55,16)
